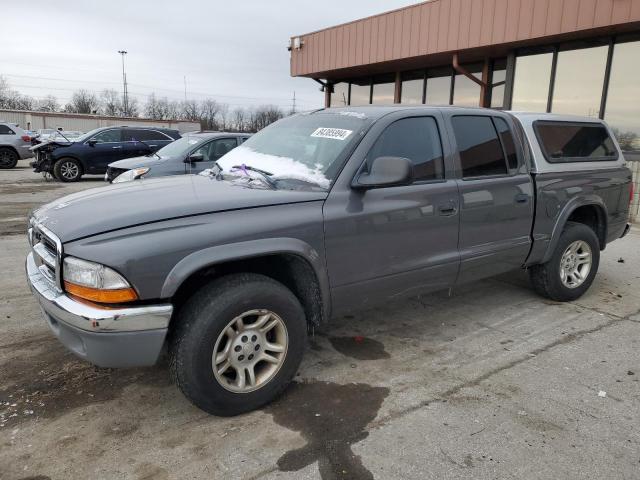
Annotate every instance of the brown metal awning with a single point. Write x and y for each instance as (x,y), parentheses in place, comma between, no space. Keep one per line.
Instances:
(429,33)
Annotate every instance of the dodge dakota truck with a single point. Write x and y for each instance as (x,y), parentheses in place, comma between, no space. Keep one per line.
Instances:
(320,214)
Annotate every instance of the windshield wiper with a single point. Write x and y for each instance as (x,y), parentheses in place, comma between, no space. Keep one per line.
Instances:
(265,175)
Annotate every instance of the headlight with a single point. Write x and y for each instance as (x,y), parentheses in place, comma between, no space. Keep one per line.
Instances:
(95,282)
(132,174)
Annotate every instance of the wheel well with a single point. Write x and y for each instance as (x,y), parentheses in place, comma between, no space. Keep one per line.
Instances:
(291,270)
(10,147)
(594,218)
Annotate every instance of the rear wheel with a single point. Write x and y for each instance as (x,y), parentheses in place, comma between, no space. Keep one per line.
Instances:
(68,170)
(8,158)
(237,343)
(572,267)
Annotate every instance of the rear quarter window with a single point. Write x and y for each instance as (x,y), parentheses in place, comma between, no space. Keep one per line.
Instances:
(5,130)
(565,142)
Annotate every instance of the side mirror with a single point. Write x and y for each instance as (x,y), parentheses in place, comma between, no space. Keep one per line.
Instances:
(386,172)
(195,157)
(92,142)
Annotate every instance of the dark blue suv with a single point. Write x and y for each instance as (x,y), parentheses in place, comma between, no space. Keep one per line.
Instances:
(93,151)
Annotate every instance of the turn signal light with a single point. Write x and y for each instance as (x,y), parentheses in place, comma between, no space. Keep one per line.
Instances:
(120,295)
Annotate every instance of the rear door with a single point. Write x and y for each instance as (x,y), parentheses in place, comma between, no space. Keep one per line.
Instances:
(384,243)
(495,195)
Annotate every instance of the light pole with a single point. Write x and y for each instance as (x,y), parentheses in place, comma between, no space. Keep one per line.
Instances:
(125,94)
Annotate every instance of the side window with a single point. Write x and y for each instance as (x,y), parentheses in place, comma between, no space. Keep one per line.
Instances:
(5,130)
(144,135)
(108,136)
(480,150)
(220,147)
(414,138)
(575,142)
(507,141)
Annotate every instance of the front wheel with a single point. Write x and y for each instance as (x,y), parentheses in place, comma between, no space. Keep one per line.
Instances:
(572,267)
(237,343)
(67,170)
(8,158)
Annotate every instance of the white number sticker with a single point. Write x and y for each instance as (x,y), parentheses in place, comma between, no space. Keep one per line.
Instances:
(334,133)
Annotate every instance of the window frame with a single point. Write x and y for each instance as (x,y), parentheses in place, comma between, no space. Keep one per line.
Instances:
(104,131)
(578,160)
(509,172)
(443,179)
(10,132)
(133,129)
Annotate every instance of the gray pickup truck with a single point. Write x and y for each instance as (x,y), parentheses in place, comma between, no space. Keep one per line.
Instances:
(317,215)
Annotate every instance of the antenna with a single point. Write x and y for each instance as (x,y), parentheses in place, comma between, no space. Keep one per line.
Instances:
(185,89)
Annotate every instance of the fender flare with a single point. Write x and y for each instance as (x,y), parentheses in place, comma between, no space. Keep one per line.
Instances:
(563,217)
(211,256)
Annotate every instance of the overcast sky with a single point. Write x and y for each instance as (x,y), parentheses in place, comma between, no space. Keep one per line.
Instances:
(234,52)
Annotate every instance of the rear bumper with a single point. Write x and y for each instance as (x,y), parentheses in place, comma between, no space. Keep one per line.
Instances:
(24,151)
(121,337)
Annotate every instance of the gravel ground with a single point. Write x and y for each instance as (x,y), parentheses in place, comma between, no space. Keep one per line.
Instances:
(490,382)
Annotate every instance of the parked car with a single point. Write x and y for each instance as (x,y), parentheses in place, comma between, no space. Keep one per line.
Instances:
(93,151)
(15,144)
(315,216)
(192,153)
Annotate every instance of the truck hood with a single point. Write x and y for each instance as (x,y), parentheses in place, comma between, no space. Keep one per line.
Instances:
(128,204)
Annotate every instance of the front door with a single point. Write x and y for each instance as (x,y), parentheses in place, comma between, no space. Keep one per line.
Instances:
(385,243)
(108,148)
(496,197)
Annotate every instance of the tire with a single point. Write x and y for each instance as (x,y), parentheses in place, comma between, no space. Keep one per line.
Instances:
(202,325)
(547,278)
(68,170)
(8,158)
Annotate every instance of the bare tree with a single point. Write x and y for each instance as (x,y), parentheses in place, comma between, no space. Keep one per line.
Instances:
(628,140)
(13,99)
(238,120)
(111,103)
(83,101)
(223,117)
(209,110)
(190,110)
(49,104)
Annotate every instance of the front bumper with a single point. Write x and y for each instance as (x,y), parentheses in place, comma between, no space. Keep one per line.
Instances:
(118,337)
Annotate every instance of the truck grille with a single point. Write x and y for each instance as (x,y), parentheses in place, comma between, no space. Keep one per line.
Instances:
(47,250)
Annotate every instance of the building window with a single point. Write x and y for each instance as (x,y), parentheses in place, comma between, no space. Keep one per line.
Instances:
(480,150)
(340,95)
(438,87)
(412,88)
(531,83)
(623,99)
(466,92)
(579,81)
(384,88)
(499,75)
(418,140)
(360,92)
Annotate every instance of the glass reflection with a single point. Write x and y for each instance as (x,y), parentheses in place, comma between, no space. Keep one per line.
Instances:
(579,80)
(412,90)
(466,92)
(531,83)
(383,93)
(340,95)
(497,93)
(438,90)
(360,93)
(623,99)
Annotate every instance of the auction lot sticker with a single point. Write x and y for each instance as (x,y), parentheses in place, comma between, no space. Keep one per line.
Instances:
(334,133)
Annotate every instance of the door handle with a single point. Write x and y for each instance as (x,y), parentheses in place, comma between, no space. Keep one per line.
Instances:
(447,210)
(522,198)
(117,148)
(153,145)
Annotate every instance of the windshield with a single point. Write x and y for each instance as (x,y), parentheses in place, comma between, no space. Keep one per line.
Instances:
(87,135)
(181,146)
(306,147)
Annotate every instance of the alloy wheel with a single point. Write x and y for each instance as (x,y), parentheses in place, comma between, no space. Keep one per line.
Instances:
(575,264)
(250,351)
(69,170)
